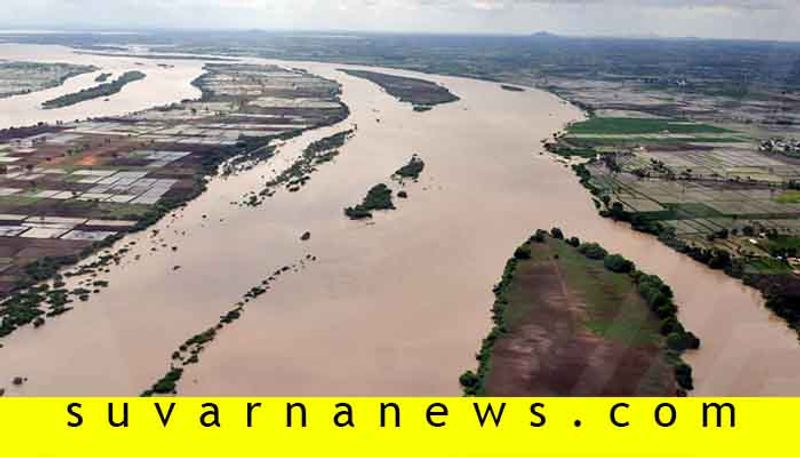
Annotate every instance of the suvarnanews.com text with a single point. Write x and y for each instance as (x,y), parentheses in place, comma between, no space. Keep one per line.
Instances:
(436,414)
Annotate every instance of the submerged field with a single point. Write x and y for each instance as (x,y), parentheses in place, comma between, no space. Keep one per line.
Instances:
(25,77)
(68,190)
(723,201)
(572,320)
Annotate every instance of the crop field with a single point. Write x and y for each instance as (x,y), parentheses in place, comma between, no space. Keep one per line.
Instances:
(561,309)
(25,77)
(68,188)
(638,126)
(711,188)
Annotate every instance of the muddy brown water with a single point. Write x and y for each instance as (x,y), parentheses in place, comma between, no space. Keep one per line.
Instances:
(161,86)
(397,306)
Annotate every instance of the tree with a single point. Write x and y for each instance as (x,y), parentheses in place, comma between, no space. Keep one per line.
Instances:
(523,252)
(592,251)
(617,263)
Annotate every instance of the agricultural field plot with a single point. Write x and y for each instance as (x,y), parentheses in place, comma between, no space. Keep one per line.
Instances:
(67,189)
(708,196)
(558,305)
(24,77)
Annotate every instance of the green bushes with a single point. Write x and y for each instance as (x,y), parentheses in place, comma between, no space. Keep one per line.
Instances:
(617,263)
(523,252)
(411,170)
(474,383)
(539,236)
(683,376)
(592,251)
(680,341)
(379,197)
(167,384)
(101,90)
(470,382)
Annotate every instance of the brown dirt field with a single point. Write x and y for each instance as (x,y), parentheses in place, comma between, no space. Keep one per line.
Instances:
(548,350)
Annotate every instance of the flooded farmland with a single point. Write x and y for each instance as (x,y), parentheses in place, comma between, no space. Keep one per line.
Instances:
(394,306)
(167,81)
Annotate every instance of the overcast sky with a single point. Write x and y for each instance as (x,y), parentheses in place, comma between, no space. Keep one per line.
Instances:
(760,19)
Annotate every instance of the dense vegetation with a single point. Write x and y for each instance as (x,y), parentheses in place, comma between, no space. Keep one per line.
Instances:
(636,126)
(411,170)
(379,197)
(299,173)
(101,90)
(419,92)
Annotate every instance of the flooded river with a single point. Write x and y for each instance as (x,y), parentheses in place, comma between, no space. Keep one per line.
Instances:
(397,306)
(167,81)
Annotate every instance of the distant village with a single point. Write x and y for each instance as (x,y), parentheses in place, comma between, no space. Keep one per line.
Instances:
(786,146)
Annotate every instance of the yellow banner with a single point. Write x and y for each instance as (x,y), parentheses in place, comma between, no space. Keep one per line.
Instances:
(407,427)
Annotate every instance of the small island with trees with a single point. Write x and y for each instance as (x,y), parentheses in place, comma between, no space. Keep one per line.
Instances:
(379,197)
(101,90)
(411,170)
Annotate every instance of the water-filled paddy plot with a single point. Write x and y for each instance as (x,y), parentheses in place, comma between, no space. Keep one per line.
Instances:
(66,188)
(25,77)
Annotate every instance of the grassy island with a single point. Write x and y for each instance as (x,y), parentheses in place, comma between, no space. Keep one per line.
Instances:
(423,94)
(573,320)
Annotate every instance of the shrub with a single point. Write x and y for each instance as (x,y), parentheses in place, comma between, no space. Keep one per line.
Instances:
(470,382)
(539,236)
(378,197)
(617,263)
(592,251)
(412,169)
(574,241)
(557,233)
(523,252)
(683,374)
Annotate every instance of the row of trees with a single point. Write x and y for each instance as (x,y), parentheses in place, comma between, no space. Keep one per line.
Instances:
(657,295)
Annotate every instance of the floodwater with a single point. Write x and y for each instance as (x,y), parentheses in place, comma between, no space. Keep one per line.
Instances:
(397,306)
(163,85)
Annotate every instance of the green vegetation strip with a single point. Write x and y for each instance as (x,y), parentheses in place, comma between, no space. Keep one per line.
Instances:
(299,173)
(638,126)
(101,90)
(652,289)
(189,352)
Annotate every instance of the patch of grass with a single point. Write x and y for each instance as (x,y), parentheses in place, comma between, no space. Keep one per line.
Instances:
(788,196)
(615,311)
(640,126)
